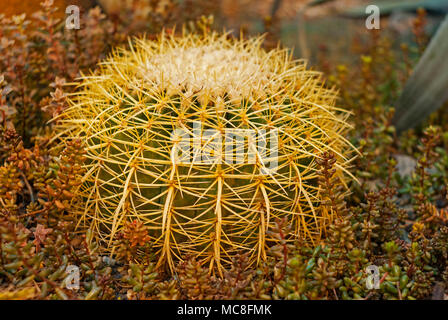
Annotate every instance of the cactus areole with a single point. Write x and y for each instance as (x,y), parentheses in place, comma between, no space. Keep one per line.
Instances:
(207,140)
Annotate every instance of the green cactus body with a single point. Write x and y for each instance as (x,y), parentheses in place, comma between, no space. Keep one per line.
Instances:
(128,111)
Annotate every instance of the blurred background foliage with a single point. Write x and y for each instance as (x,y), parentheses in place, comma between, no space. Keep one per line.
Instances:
(329,23)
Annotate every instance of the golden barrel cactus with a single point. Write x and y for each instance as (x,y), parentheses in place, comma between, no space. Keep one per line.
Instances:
(157,121)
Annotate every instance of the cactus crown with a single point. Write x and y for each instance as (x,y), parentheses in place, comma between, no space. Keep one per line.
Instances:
(211,202)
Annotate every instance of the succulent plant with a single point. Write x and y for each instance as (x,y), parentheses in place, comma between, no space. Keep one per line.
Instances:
(156,120)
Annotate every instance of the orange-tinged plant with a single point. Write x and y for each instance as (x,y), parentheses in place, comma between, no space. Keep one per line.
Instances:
(134,111)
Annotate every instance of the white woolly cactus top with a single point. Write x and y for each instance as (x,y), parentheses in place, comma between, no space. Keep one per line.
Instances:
(129,110)
(216,66)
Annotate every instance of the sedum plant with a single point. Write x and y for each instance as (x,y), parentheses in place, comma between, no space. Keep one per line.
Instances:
(156,120)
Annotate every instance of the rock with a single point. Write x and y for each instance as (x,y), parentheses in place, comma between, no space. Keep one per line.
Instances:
(438,291)
(405,165)
(109,261)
